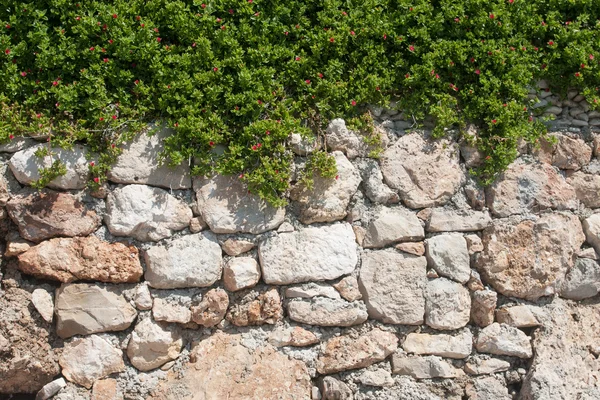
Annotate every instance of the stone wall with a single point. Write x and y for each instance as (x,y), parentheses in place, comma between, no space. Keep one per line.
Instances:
(399,279)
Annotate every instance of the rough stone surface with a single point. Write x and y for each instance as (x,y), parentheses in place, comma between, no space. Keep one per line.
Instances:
(188,261)
(139,163)
(43,303)
(517,316)
(372,178)
(444,220)
(348,288)
(483,304)
(235,247)
(393,225)
(334,389)
(424,367)
(479,366)
(82,309)
(392,286)
(172,306)
(591,229)
(292,336)
(46,214)
(340,138)
(377,378)
(302,146)
(449,256)
(527,259)
(50,389)
(82,258)
(457,346)
(241,273)
(226,206)
(153,344)
(343,352)
(582,281)
(525,188)
(327,312)
(145,213)
(143,299)
(86,360)
(567,153)
(257,309)
(236,372)
(414,248)
(310,254)
(328,200)
(425,173)
(505,340)
(25,166)
(587,187)
(310,290)
(447,304)
(474,244)
(16,245)
(106,389)
(487,388)
(212,308)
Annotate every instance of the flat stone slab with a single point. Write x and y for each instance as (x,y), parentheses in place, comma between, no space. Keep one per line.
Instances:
(443,220)
(323,311)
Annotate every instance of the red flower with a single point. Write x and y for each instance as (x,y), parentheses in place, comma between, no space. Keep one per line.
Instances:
(101,119)
(267,133)
(337,177)
(353,102)
(457,20)
(307,81)
(411,48)
(254,147)
(138,17)
(524,108)
(259,101)
(23,74)
(504,105)
(256,14)
(320,75)
(114,117)
(577,74)
(285,33)
(77,18)
(551,43)
(11,136)
(297,58)
(230,11)
(203,6)
(194,44)
(250,1)
(113,145)
(211,143)
(488,157)
(96,179)
(331,40)
(7,26)
(105,60)
(582,66)
(215,69)
(103,50)
(92,164)
(142,25)
(437,76)
(110,41)
(158,39)
(477,71)
(38,115)
(491,16)
(219,20)
(352,33)
(54,83)
(115,16)
(511,1)
(136,82)
(407,76)
(494,121)
(377,88)
(472,60)
(92,48)
(591,56)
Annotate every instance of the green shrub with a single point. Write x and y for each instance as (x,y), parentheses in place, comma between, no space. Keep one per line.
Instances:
(244,74)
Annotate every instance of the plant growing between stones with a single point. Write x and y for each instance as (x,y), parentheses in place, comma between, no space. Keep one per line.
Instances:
(234,78)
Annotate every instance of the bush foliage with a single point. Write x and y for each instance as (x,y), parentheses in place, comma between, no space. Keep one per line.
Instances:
(234,78)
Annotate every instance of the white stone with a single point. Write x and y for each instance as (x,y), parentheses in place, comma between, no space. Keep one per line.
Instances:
(447,304)
(375,189)
(25,165)
(240,273)
(424,367)
(235,247)
(591,229)
(341,139)
(478,366)
(153,344)
(302,146)
(443,220)
(310,254)
(449,256)
(310,290)
(502,339)
(50,389)
(188,261)
(517,316)
(458,346)
(227,207)
(324,311)
(43,302)
(172,306)
(393,225)
(145,213)
(582,281)
(392,286)
(377,378)
(143,298)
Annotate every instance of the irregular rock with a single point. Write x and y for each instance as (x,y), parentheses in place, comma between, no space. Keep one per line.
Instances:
(459,346)
(474,244)
(360,234)
(153,344)
(50,389)
(82,258)
(483,304)
(310,290)
(143,299)
(588,253)
(348,288)
(212,308)
(172,306)
(414,248)
(334,389)
(311,254)
(236,372)
(343,352)
(524,260)
(525,188)
(372,178)
(46,214)
(339,138)
(145,213)
(302,146)
(25,166)
(106,389)
(285,227)
(43,303)
(424,367)
(83,309)
(591,229)
(487,388)
(240,273)
(426,173)
(447,304)
(140,162)
(16,144)
(377,378)
(257,309)
(587,187)
(226,206)
(327,312)
(188,261)
(328,199)
(292,336)
(475,283)
(16,245)
(392,286)
(235,247)
(517,316)
(444,220)
(479,366)
(449,256)
(582,281)
(475,194)
(393,225)
(196,225)
(504,340)
(567,153)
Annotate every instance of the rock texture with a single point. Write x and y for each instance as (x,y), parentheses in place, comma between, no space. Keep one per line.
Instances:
(340,138)
(591,229)
(212,308)
(447,304)
(449,256)
(145,213)
(444,220)
(424,367)
(502,339)
(587,187)
(393,225)
(582,281)
(47,214)
(257,309)
(241,273)
(327,312)
(82,258)
(153,344)
(226,206)
(458,346)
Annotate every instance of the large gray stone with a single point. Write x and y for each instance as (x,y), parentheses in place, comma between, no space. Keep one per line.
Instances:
(227,207)
(591,228)
(323,311)
(340,138)
(424,367)
(375,189)
(393,225)
(504,340)
(188,261)
(587,187)
(582,281)
(82,309)
(153,344)
(444,220)
(392,286)
(145,213)
(449,256)
(140,162)
(458,346)
(447,304)
(310,254)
